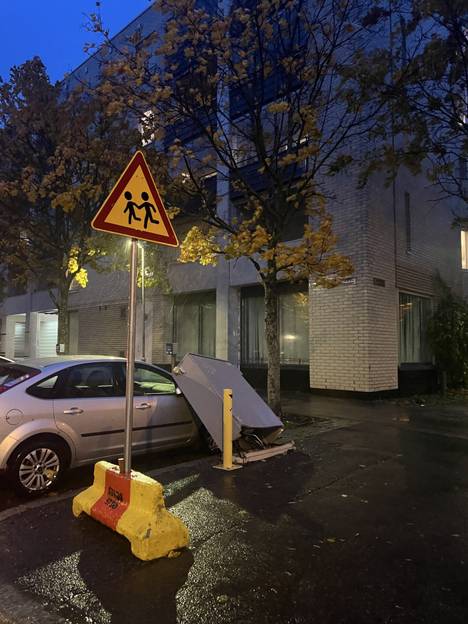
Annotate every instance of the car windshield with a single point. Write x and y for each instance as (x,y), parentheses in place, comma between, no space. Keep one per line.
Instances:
(12,374)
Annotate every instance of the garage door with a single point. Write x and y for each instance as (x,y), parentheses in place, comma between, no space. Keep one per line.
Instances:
(48,335)
(20,339)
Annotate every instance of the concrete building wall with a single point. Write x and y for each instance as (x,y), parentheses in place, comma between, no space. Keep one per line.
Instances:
(435,244)
(161,327)
(102,330)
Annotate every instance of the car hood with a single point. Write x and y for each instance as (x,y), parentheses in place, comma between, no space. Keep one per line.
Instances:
(203,380)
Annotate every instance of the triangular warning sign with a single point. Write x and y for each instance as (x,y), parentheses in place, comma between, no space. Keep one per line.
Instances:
(134,207)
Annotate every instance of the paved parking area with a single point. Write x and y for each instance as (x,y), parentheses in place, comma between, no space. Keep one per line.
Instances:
(366,522)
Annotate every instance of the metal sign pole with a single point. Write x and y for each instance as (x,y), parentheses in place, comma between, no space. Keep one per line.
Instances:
(130,357)
(143,302)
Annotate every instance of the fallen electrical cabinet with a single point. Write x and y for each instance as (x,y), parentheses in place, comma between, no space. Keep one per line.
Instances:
(255,426)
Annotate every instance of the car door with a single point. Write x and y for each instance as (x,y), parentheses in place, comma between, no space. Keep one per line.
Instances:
(161,417)
(90,407)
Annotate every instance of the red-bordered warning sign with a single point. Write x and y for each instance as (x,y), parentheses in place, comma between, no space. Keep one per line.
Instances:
(134,207)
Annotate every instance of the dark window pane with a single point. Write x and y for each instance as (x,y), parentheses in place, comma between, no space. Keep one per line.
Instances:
(45,389)
(414,317)
(90,381)
(253,330)
(14,374)
(408,221)
(195,324)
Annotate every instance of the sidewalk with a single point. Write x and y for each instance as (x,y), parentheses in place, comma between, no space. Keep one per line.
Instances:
(365,523)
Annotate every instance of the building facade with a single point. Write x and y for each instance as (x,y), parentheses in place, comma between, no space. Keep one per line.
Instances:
(367,335)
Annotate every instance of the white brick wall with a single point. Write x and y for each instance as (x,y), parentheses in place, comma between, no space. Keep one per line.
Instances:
(354,329)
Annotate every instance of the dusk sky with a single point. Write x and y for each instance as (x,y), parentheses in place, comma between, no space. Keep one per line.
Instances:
(55,30)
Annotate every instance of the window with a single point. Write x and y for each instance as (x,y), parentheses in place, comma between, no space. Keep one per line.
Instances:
(414,316)
(241,142)
(90,381)
(45,389)
(12,374)
(293,228)
(408,221)
(147,381)
(195,324)
(464,249)
(293,327)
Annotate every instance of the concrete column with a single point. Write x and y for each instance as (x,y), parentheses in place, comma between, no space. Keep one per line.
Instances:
(222,310)
(9,337)
(32,328)
(234,326)
(227,316)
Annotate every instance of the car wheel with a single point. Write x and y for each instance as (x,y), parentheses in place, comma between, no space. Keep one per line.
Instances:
(37,466)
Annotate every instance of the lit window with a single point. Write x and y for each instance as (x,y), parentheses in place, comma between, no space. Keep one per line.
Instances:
(464,249)
(293,310)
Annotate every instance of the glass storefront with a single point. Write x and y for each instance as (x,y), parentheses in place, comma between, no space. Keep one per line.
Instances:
(293,325)
(414,317)
(195,324)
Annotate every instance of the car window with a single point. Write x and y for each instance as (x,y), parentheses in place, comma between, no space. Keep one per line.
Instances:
(45,389)
(149,381)
(89,381)
(12,374)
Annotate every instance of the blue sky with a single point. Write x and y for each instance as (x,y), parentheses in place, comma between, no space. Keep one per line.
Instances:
(55,30)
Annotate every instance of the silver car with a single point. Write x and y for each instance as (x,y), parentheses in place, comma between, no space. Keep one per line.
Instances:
(57,413)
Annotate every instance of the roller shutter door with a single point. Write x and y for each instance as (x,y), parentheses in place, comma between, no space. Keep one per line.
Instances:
(20,339)
(48,335)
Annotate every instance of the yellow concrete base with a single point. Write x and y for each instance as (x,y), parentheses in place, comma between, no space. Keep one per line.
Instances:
(153,531)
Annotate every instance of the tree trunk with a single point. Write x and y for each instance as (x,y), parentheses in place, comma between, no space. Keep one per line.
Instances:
(273,346)
(63,324)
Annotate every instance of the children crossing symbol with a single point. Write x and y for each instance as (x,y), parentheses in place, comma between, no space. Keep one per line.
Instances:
(134,207)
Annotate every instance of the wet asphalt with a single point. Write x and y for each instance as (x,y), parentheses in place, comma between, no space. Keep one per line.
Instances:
(79,478)
(366,522)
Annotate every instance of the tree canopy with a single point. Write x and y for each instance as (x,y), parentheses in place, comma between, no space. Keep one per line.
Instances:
(255,106)
(60,156)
